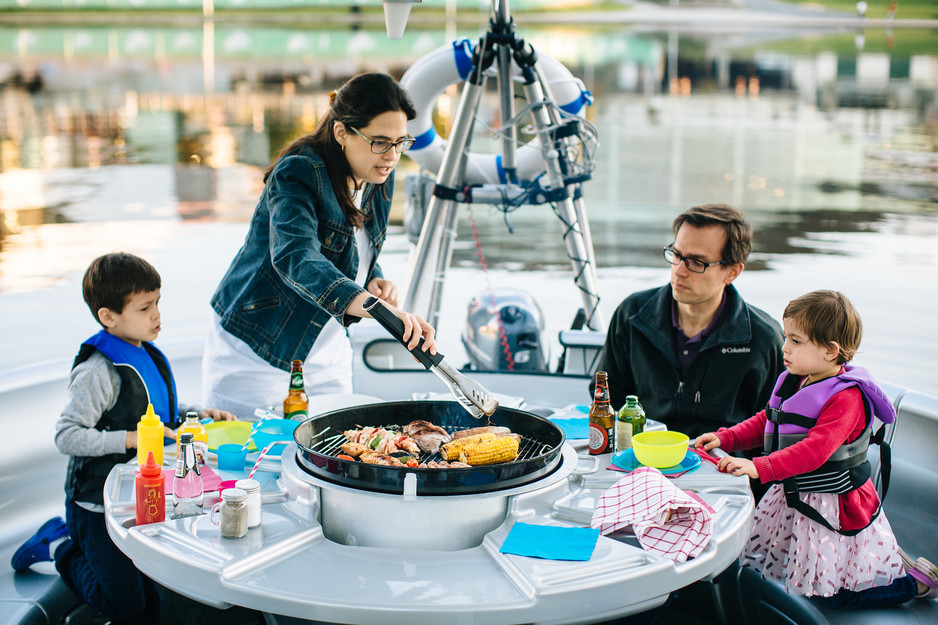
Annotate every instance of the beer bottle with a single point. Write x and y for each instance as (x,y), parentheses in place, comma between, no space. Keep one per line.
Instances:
(602,417)
(296,403)
(629,422)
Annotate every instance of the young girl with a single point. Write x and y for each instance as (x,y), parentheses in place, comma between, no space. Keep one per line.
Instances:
(819,528)
(309,261)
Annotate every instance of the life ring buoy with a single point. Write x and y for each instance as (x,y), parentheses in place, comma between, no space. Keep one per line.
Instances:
(426,79)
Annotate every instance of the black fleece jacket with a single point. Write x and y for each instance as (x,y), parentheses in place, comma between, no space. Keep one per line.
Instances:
(729,381)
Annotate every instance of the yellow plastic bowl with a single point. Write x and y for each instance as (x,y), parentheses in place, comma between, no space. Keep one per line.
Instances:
(660,448)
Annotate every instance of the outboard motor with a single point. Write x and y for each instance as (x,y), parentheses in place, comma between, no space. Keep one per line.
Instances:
(523,323)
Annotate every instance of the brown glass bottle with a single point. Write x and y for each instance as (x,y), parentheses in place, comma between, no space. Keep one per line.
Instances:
(296,403)
(602,417)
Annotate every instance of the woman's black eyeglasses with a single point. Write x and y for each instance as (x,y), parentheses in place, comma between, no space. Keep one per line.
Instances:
(380,146)
(692,264)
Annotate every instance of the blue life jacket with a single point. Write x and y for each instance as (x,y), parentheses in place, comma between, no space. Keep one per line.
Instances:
(145,378)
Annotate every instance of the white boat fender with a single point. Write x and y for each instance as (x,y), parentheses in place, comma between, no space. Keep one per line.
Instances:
(426,79)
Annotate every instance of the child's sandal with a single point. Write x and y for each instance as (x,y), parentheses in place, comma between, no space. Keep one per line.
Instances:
(923,572)
(907,561)
(926,574)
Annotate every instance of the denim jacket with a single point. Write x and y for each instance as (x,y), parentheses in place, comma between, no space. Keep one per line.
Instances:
(297,266)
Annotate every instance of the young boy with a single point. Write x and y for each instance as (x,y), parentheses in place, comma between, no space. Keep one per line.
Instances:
(116,373)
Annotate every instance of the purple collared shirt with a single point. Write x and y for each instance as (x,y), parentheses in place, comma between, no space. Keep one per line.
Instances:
(686,349)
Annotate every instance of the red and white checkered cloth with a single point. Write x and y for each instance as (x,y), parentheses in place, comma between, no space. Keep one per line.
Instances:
(643,500)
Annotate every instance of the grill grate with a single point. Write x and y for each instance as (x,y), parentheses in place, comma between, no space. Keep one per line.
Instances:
(330,446)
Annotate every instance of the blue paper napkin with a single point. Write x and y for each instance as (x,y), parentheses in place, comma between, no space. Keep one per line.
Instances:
(551,542)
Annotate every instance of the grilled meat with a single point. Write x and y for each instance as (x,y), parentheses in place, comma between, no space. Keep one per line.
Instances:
(382,440)
(443,464)
(421,427)
(497,430)
(408,445)
(427,436)
(373,457)
(354,449)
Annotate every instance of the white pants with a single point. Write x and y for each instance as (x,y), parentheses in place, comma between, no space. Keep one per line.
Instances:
(236,379)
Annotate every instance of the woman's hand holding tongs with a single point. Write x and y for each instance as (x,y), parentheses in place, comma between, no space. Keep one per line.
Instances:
(415,327)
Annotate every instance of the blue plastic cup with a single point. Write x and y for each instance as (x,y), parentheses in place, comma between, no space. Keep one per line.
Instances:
(272,431)
(231,457)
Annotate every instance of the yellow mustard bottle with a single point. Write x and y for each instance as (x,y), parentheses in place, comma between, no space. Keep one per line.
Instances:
(149,437)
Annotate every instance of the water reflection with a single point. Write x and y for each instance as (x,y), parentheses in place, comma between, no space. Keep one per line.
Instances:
(821,142)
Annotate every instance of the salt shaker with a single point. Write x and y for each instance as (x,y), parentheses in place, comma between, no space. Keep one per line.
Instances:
(253,489)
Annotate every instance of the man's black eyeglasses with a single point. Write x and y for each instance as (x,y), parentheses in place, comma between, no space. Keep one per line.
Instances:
(692,264)
(380,146)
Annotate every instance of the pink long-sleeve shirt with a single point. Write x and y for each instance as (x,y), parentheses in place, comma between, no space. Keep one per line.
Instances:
(842,419)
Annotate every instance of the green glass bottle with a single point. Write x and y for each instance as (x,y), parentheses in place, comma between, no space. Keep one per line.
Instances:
(296,403)
(629,422)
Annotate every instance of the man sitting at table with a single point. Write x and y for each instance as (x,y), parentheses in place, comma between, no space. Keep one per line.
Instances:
(697,356)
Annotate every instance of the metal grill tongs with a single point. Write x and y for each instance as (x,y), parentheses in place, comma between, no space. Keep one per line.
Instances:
(470,394)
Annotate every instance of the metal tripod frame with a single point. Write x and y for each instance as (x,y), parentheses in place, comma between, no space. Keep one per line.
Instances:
(501,45)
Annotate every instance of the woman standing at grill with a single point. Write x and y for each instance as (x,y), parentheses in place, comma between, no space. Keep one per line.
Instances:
(308,262)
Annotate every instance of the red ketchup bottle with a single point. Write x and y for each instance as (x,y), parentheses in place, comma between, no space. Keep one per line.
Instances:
(151,492)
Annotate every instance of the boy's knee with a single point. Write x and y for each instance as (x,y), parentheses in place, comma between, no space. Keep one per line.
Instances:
(133,602)
(123,608)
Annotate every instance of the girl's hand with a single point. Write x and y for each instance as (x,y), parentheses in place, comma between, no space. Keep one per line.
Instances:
(708,441)
(738,466)
(217,415)
(384,290)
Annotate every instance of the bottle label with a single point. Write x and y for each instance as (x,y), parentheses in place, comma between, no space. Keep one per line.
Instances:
(297,415)
(623,435)
(296,380)
(598,439)
(151,502)
(201,451)
(187,461)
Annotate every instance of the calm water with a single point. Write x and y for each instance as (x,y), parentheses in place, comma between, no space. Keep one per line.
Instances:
(135,138)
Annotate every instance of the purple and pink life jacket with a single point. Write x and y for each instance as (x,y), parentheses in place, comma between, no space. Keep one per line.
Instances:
(792,412)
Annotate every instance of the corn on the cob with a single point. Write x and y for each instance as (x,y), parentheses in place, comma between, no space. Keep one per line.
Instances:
(493,451)
(451,450)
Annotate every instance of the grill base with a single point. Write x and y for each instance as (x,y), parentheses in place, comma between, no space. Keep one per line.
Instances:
(356,517)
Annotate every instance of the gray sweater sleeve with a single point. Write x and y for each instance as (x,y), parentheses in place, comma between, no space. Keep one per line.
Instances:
(93,387)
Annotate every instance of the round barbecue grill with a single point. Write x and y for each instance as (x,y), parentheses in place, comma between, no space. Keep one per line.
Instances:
(318,441)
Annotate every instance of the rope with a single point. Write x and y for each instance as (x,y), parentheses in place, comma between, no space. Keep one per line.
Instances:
(488,282)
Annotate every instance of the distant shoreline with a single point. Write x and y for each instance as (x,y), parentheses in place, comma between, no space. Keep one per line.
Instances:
(692,18)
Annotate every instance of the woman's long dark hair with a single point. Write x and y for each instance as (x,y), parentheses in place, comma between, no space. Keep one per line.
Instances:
(355,104)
